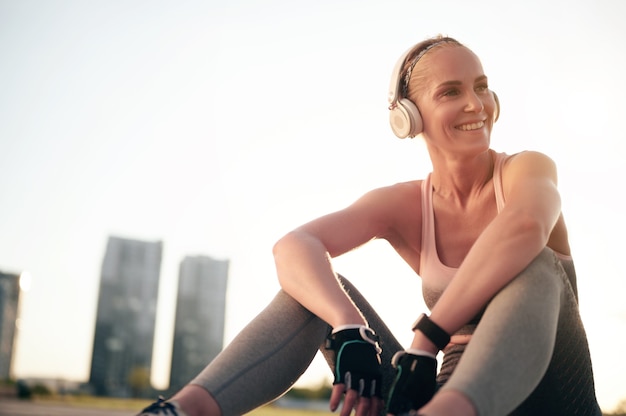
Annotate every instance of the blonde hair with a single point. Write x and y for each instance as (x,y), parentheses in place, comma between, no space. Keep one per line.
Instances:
(412,73)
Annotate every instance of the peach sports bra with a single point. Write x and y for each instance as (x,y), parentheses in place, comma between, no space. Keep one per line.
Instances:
(436,275)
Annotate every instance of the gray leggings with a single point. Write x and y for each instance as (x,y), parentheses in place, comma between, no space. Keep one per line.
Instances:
(528,355)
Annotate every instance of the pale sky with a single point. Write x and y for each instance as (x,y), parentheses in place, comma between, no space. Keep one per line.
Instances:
(217,127)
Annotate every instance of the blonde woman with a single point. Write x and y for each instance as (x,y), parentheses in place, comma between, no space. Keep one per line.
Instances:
(485,233)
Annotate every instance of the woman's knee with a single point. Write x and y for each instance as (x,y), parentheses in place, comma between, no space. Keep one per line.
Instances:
(543,276)
(534,297)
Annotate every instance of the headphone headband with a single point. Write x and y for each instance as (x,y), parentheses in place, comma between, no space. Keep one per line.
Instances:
(399,83)
(394,86)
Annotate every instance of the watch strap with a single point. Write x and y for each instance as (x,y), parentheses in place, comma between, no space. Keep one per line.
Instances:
(432,331)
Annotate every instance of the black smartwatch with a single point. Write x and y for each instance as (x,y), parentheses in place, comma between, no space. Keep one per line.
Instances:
(433,332)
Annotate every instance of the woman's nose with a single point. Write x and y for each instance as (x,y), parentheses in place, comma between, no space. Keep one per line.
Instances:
(474,103)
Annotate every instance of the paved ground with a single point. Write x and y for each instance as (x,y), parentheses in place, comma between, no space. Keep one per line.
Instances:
(12,407)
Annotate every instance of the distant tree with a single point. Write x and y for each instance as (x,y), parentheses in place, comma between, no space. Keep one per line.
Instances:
(323,391)
(40,390)
(23,390)
(620,410)
(139,381)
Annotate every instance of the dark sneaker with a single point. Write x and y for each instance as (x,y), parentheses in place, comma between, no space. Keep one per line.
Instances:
(163,408)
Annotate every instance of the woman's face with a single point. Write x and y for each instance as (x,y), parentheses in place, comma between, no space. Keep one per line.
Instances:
(455,101)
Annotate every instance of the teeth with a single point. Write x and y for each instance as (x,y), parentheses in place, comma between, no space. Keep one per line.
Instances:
(472,126)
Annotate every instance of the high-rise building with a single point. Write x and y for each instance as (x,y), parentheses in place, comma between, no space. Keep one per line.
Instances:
(200,313)
(126,316)
(9,298)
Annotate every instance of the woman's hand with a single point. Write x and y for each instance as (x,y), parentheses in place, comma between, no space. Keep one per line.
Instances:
(357,370)
(364,406)
(415,381)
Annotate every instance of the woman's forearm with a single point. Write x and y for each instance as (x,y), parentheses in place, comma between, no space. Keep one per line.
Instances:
(502,251)
(305,273)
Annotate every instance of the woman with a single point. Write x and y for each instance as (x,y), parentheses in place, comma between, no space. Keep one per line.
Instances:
(485,233)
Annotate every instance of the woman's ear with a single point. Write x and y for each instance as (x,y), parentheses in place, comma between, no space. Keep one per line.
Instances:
(496,112)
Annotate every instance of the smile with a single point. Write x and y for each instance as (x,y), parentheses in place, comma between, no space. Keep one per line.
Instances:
(471,126)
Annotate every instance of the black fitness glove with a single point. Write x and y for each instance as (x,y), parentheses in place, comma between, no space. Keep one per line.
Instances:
(357,360)
(414,384)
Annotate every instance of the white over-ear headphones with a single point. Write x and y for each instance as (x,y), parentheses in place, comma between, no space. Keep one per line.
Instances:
(404,117)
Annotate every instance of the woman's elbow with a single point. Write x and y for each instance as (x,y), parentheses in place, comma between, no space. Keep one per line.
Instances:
(284,245)
(286,251)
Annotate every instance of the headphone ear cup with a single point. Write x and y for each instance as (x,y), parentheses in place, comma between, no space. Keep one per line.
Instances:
(405,119)
(496,112)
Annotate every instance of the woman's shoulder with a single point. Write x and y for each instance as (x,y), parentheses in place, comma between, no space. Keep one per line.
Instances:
(408,189)
(526,162)
(399,207)
(394,200)
(526,156)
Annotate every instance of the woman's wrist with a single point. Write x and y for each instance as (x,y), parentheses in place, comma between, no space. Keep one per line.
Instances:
(433,332)
(348,319)
(421,342)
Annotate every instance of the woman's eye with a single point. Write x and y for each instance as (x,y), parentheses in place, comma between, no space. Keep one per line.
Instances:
(451,92)
(482,88)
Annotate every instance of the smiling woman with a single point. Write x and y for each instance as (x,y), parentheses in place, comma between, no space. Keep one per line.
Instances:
(117,117)
(485,233)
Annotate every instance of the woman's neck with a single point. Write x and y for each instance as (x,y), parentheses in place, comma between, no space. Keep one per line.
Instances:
(459,178)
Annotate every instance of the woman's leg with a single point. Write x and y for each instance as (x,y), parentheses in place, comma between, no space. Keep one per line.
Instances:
(266,358)
(271,353)
(512,346)
(567,387)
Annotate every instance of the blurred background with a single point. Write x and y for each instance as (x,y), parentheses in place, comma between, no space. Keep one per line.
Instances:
(216,127)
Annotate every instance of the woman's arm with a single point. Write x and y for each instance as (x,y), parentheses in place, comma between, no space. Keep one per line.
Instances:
(303,256)
(304,271)
(506,246)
